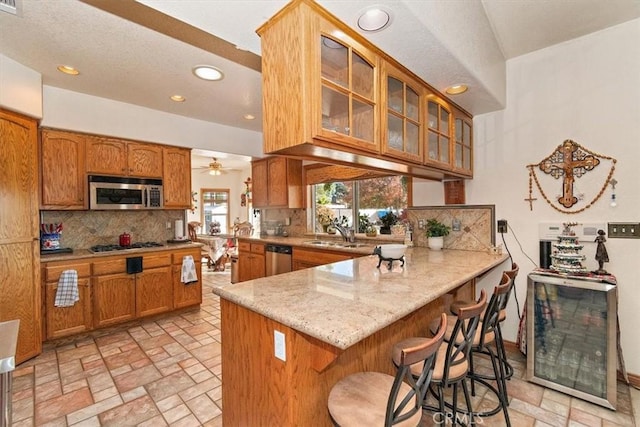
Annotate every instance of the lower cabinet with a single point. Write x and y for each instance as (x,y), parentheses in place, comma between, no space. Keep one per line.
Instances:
(109,295)
(114,299)
(63,321)
(251,261)
(307,258)
(154,289)
(186,294)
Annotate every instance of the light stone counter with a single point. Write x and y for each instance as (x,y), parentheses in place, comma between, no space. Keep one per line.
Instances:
(345,302)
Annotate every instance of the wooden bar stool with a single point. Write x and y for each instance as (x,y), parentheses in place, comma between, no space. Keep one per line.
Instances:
(378,399)
(502,353)
(487,334)
(452,361)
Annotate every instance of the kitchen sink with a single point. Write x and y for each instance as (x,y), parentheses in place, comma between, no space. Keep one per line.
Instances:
(320,243)
(351,245)
(326,243)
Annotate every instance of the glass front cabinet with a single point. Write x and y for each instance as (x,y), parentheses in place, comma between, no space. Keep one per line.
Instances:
(348,99)
(571,336)
(402,116)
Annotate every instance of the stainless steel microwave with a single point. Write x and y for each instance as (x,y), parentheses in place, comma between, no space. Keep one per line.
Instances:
(114,193)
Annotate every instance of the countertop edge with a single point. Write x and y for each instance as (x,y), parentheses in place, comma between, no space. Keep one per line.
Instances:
(226,292)
(85,253)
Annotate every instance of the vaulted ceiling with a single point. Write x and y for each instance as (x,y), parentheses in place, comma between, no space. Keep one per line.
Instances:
(142,52)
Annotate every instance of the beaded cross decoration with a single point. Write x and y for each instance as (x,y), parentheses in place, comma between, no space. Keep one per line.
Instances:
(568,161)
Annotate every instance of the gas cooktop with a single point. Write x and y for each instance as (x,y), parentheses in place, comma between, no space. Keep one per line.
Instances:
(136,245)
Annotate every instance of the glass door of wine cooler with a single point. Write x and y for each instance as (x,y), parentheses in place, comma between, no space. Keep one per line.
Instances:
(571,336)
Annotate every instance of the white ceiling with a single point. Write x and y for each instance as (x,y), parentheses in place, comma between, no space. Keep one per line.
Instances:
(443,41)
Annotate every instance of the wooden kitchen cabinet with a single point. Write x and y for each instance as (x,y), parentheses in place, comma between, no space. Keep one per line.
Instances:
(114,299)
(251,261)
(177,177)
(332,97)
(349,102)
(439,138)
(306,258)
(64,177)
(185,295)
(463,143)
(20,286)
(110,156)
(402,120)
(119,296)
(154,286)
(277,183)
(64,321)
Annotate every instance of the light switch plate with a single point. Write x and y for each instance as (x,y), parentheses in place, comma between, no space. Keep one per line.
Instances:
(624,230)
(280,346)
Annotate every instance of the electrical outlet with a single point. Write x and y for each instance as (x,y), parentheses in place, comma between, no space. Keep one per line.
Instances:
(279,345)
(502,226)
(168,225)
(421,224)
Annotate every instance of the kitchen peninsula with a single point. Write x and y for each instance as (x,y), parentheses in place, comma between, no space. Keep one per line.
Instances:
(336,319)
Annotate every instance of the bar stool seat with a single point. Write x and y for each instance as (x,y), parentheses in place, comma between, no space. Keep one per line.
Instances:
(452,364)
(378,399)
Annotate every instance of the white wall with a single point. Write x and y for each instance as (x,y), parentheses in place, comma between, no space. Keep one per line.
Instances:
(587,90)
(20,88)
(69,110)
(232,181)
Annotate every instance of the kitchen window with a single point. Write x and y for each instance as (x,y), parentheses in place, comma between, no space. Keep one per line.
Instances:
(214,208)
(367,200)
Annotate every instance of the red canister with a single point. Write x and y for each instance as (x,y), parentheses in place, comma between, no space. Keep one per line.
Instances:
(125,239)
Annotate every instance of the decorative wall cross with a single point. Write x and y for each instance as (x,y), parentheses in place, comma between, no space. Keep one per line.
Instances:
(570,161)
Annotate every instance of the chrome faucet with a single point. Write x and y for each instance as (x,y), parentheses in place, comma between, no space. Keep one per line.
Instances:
(347,233)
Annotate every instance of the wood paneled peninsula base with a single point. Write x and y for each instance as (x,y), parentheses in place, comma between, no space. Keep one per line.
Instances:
(337,319)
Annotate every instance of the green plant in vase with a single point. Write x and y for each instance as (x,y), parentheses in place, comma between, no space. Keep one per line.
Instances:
(435,233)
(389,219)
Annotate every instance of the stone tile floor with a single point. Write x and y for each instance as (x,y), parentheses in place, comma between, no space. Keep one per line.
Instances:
(166,371)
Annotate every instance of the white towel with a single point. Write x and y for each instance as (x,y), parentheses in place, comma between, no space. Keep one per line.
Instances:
(189,274)
(67,293)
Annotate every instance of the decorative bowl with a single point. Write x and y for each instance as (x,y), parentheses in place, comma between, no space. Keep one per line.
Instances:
(392,251)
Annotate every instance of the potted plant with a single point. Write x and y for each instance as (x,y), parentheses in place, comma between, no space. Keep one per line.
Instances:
(387,221)
(325,216)
(435,233)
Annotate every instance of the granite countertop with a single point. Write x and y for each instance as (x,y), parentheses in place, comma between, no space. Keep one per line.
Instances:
(364,247)
(344,302)
(86,253)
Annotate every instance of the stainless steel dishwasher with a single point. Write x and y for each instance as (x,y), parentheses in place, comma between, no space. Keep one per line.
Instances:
(278,259)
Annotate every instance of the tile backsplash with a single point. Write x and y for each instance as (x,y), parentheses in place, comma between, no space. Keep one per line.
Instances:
(476,222)
(83,229)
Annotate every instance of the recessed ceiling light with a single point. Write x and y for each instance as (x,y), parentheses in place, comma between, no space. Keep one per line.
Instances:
(178,98)
(456,89)
(207,72)
(374,19)
(249,116)
(68,70)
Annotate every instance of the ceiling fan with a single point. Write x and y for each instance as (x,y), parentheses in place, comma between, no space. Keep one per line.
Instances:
(215,168)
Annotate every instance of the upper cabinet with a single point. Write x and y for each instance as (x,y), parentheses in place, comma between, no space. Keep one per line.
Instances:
(66,158)
(330,94)
(177,177)
(439,133)
(463,143)
(401,121)
(348,96)
(319,85)
(277,183)
(107,156)
(64,184)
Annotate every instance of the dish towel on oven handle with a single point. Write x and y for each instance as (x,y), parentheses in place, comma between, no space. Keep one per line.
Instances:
(67,294)
(189,274)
